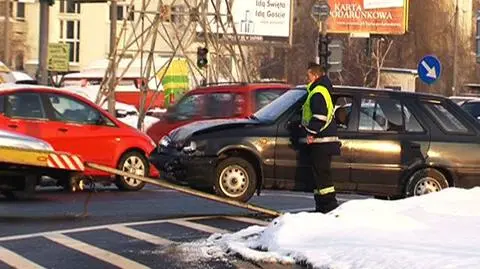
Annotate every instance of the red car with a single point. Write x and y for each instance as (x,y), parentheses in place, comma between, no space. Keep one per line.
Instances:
(217,102)
(73,124)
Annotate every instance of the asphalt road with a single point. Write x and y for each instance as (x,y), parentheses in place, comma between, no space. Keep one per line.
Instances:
(127,229)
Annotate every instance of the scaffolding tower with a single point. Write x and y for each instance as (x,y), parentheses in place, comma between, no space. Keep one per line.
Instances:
(181,26)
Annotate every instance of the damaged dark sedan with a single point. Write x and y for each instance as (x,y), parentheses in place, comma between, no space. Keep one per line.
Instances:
(394,144)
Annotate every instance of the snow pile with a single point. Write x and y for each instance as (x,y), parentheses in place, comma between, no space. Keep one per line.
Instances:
(157,110)
(439,230)
(133,119)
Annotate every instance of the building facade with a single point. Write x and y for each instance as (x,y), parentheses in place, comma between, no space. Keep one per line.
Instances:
(16,35)
(85,27)
(435,27)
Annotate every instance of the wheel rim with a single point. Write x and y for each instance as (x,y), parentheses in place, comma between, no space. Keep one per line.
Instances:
(133,165)
(234,181)
(427,185)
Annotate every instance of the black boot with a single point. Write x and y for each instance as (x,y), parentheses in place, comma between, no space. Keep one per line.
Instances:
(325,203)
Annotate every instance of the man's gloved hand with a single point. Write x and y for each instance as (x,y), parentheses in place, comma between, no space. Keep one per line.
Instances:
(310,139)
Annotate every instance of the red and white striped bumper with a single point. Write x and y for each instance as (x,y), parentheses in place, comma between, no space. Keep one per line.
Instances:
(65,161)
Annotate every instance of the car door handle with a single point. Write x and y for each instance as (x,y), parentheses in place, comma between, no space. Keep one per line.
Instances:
(14,126)
(63,130)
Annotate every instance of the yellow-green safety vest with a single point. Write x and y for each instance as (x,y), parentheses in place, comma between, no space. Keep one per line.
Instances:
(307,111)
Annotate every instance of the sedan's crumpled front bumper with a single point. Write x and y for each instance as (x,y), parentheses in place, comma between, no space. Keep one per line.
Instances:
(181,168)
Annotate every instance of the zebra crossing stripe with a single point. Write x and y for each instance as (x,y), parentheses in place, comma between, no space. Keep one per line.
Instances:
(198,226)
(248,220)
(16,261)
(95,252)
(150,238)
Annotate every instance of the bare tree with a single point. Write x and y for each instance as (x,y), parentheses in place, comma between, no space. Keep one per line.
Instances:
(382,48)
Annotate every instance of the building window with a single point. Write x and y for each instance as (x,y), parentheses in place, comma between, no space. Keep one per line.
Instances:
(177,14)
(70,34)
(123,12)
(21,11)
(69,6)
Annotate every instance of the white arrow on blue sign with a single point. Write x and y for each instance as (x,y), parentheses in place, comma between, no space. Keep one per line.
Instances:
(429,69)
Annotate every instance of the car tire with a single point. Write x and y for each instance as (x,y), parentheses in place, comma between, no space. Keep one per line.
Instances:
(27,193)
(132,162)
(425,181)
(235,178)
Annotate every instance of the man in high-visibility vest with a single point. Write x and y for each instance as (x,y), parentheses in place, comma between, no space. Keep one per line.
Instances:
(322,141)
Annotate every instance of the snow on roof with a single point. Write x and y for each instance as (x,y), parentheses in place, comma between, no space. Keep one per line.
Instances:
(97,69)
(21,76)
(399,70)
(438,230)
(14,86)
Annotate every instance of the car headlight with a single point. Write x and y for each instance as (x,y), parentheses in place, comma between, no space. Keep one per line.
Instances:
(190,147)
(164,142)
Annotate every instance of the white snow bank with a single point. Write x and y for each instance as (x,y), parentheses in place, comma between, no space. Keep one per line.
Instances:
(439,230)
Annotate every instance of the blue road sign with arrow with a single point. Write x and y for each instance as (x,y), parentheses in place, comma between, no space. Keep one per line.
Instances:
(429,69)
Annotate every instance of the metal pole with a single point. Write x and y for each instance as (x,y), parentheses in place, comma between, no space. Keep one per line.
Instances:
(165,184)
(43,44)
(113,25)
(322,26)
(6,44)
(113,42)
(455,51)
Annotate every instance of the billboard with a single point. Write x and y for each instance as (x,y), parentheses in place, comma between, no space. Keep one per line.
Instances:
(261,18)
(368,16)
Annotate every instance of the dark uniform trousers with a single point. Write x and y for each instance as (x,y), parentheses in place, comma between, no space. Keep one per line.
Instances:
(324,192)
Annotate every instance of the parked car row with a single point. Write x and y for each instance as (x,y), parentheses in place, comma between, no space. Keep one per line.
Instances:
(236,139)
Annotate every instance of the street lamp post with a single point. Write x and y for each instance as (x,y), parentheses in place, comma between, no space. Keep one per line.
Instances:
(320,13)
(43,43)
(6,41)
(455,50)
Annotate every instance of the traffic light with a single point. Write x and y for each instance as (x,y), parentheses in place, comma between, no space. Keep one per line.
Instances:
(324,51)
(202,57)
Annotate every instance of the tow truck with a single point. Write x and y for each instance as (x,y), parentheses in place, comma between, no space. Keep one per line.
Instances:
(24,160)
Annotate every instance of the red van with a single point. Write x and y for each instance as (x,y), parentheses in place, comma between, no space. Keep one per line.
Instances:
(217,102)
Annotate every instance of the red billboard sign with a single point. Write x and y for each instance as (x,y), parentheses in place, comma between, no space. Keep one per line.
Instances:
(368,16)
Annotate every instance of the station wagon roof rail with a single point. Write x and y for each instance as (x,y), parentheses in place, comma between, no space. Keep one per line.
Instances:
(243,83)
(386,90)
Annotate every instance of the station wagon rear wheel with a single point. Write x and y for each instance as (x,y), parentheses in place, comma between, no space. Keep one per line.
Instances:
(135,163)
(235,179)
(426,181)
